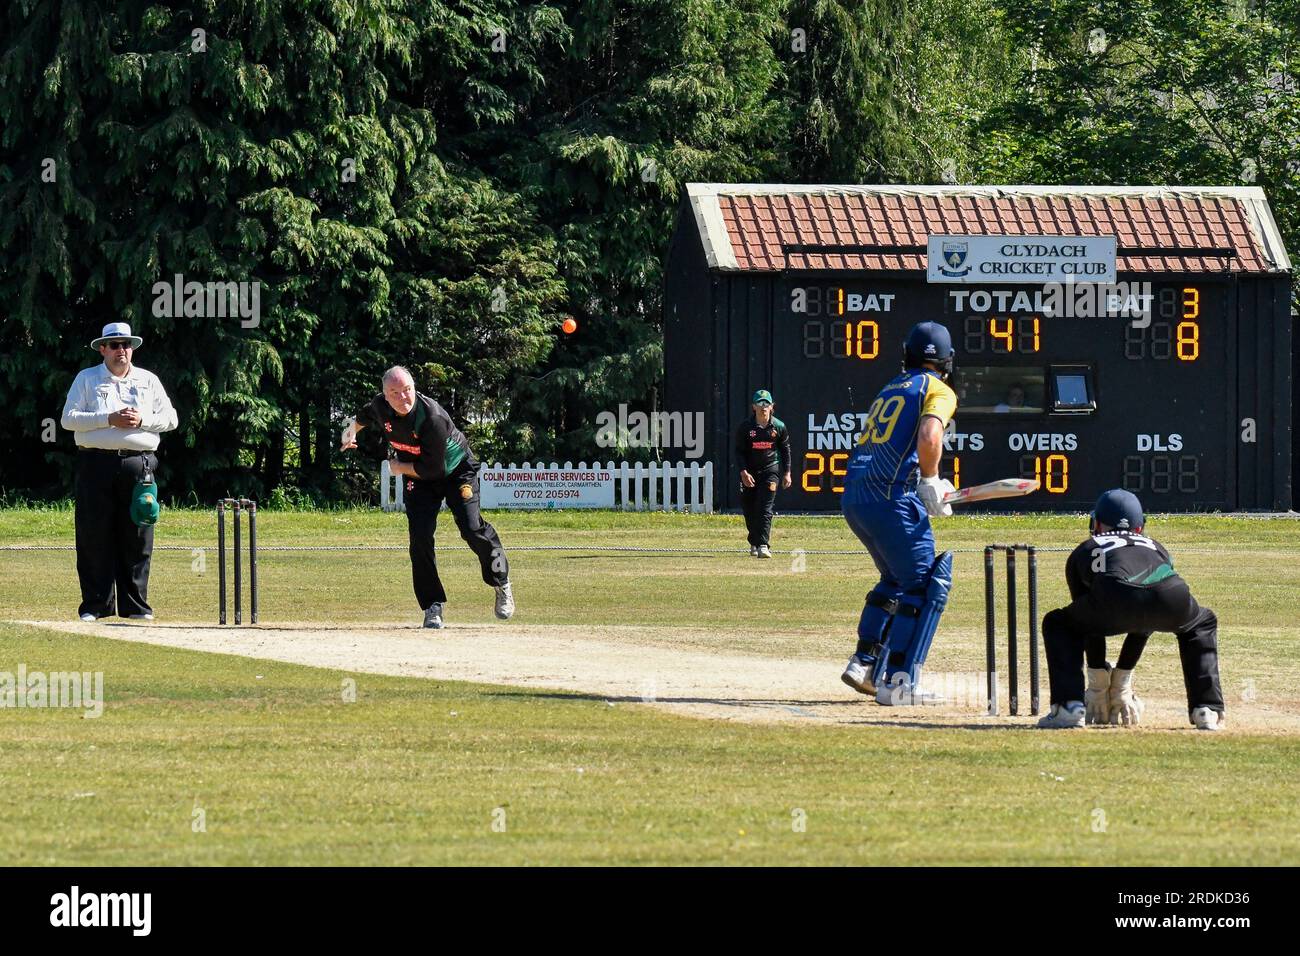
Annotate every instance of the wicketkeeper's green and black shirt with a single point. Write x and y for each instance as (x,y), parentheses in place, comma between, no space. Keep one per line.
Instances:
(425,436)
(1131,558)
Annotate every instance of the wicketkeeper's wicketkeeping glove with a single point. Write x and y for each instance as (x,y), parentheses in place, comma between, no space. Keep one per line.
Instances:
(1125,706)
(1096,699)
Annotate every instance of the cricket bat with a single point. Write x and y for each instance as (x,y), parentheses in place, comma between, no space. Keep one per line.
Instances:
(1006,488)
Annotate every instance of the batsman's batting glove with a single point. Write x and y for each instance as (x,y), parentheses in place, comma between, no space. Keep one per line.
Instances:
(1125,706)
(931,492)
(1096,699)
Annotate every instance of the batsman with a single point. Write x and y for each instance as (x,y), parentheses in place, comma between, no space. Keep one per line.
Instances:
(889,507)
(1122,582)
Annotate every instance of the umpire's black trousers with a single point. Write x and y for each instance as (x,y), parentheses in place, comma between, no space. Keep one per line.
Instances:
(758,504)
(423,499)
(113,553)
(1113,607)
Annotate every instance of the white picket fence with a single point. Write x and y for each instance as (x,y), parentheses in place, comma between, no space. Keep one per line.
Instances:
(637,486)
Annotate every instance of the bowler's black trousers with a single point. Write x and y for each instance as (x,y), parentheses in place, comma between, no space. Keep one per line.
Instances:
(1114,607)
(423,499)
(113,553)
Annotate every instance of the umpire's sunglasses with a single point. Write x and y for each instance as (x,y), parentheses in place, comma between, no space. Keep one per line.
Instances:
(118,345)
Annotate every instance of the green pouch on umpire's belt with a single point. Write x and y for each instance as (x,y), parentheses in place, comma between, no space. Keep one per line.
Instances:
(144,499)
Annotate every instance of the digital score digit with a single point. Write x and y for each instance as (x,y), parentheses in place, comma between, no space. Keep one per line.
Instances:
(1002,336)
(818,467)
(835,327)
(1162,474)
(843,340)
(1176,334)
(1052,472)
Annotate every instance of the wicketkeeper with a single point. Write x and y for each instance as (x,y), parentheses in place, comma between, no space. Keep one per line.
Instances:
(434,459)
(1122,582)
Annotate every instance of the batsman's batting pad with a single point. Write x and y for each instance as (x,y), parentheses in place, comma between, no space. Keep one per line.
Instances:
(875,624)
(915,624)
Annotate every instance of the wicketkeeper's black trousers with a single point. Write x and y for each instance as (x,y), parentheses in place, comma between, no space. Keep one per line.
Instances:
(423,499)
(1113,607)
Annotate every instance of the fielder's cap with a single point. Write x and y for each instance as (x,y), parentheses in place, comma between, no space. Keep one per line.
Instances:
(762,395)
(114,331)
(144,504)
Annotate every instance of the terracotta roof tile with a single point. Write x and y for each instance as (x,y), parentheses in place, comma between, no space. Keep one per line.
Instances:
(761,226)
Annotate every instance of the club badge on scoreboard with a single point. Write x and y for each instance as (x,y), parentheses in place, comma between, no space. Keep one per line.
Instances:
(953,265)
(1021,259)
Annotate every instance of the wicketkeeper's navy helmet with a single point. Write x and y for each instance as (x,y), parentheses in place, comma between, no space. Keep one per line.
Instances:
(1119,509)
(928,342)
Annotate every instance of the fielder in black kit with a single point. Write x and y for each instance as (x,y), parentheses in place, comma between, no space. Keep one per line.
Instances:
(1122,582)
(435,461)
(763,452)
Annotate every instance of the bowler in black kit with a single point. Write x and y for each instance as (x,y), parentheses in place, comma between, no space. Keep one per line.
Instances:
(429,453)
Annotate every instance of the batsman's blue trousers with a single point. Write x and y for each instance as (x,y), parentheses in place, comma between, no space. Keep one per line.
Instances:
(898,536)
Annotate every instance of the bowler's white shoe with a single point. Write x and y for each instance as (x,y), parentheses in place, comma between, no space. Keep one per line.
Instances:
(764,551)
(88,618)
(1064,716)
(901,693)
(1206,718)
(142,617)
(753,550)
(505,602)
(433,616)
(858,676)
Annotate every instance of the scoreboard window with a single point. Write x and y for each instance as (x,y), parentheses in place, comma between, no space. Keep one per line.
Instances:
(1000,390)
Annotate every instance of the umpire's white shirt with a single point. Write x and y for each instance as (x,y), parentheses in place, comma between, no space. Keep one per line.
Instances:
(96,393)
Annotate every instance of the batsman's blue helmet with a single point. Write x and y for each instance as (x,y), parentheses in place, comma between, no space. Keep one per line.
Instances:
(1119,509)
(928,342)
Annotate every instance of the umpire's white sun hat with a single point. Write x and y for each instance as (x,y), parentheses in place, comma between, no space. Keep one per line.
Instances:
(117,330)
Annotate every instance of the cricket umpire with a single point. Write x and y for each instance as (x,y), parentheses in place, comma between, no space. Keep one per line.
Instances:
(763,453)
(1122,582)
(116,411)
(437,464)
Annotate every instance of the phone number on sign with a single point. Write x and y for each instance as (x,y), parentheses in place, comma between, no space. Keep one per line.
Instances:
(561,493)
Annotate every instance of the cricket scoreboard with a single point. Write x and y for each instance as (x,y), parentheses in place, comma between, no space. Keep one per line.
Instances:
(1137,398)
(1175,385)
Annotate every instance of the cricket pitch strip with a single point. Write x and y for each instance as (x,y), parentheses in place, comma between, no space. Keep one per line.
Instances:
(622,665)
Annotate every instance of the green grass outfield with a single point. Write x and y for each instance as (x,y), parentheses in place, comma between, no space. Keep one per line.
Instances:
(281,769)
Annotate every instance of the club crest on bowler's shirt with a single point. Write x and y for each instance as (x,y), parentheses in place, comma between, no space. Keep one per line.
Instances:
(388,426)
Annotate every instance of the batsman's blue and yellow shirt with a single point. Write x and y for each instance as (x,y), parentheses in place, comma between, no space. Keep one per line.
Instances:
(885,457)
